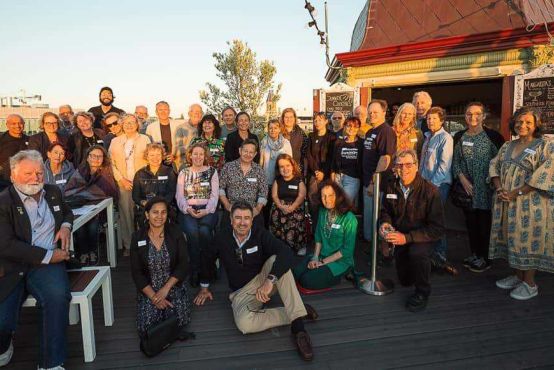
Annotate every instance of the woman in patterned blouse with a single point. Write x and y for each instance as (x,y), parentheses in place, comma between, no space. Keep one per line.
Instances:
(197,192)
(209,133)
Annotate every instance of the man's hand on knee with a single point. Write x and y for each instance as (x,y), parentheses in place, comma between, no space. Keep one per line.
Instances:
(264,291)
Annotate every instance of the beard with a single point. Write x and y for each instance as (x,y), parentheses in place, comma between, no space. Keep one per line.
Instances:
(106,101)
(29,189)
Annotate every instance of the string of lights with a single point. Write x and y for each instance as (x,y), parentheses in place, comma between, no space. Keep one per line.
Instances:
(323,35)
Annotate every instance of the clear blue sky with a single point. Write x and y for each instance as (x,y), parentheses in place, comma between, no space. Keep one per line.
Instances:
(152,50)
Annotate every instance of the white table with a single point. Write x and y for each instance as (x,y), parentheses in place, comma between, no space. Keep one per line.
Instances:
(83,299)
(86,213)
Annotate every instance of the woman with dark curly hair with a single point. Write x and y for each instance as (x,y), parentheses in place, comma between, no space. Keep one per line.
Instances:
(287,220)
(209,134)
(335,240)
(523,208)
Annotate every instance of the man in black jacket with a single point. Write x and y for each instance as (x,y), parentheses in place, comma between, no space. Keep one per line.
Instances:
(11,142)
(412,219)
(256,263)
(34,221)
(106,106)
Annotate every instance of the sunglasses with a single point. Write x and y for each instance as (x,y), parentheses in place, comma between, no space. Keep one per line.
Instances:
(238,254)
(109,125)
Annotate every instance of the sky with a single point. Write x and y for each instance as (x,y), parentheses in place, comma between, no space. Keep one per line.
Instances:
(147,51)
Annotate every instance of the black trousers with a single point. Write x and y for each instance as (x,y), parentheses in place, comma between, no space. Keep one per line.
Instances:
(413,265)
(478,223)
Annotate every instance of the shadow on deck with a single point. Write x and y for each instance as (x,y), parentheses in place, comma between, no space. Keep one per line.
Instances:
(468,324)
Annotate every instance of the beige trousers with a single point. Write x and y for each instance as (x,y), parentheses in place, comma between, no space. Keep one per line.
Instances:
(247,310)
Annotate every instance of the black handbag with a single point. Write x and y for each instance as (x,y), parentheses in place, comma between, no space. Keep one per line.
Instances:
(159,336)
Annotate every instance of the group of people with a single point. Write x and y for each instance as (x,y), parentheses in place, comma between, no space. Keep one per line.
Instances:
(191,193)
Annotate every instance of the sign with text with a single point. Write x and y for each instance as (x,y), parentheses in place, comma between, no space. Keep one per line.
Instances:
(536,89)
(339,102)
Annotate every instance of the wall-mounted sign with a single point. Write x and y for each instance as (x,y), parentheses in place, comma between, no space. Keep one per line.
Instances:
(536,89)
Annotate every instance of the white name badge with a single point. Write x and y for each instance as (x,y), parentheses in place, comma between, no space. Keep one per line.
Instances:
(162,177)
(205,184)
(252,179)
(530,151)
(99,141)
(294,187)
(62,181)
(392,196)
(467,143)
(335,226)
(56,208)
(213,150)
(26,143)
(141,243)
(252,250)
(413,140)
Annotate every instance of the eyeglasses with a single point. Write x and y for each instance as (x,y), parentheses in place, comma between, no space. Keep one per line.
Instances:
(109,125)
(96,156)
(404,165)
(474,114)
(351,126)
(336,118)
(238,254)
(51,123)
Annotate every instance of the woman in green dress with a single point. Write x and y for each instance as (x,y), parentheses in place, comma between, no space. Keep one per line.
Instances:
(523,212)
(335,239)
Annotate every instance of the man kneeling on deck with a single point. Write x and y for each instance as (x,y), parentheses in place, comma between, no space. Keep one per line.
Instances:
(412,219)
(256,263)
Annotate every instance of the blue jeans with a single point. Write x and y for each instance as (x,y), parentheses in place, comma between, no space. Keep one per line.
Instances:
(351,186)
(50,287)
(199,232)
(441,247)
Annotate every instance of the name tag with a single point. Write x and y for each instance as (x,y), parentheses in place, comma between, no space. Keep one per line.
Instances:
(252,250)
(62,181)
(213,150)
(100,141)
(141,243)
(294,187)
(162,177)
(252,179)
(317,141)
(26,143)
(56,208)
(335,226)
(467,143)
(413,140)
(529,151)
(205,184)
(392,196)
(373,136)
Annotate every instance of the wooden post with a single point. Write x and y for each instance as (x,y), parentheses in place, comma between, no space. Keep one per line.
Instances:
(316,102)
(507,106)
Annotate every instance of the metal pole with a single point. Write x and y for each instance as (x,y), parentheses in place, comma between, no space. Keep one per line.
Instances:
(374,286)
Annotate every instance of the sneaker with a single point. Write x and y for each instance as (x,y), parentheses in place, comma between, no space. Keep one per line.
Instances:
(469,260)
(301,252)
(479,265)
(93,258)
(52,368)
(524,291)
(509,282)
(6,356)
(84,259)
(416,302)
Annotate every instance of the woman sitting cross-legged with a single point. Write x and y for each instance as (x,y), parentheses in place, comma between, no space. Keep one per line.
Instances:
(335,239)
(288,218)
(159,265)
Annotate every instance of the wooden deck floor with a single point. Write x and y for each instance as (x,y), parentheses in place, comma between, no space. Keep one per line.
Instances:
(469,324)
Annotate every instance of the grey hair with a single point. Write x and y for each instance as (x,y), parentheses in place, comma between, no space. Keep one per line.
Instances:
(22,155)
(425,94)
(405,153)
(124,116)
(87,115)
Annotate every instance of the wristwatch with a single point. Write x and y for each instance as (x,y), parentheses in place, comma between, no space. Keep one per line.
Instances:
(272,278)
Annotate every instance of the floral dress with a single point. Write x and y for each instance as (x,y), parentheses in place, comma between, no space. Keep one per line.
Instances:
(216,147)
(290,228)
(523,229)
(159,269)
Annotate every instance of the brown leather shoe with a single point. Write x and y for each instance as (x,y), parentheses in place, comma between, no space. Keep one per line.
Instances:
(311,313)
(304,345)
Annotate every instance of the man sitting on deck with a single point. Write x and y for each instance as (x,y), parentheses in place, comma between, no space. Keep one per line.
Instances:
(34,221)
(256,263)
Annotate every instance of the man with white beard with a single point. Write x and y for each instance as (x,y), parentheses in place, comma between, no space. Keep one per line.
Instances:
(35,225)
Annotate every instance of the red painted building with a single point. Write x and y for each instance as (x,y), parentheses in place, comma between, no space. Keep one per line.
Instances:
(457,50)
